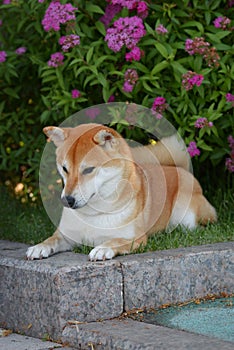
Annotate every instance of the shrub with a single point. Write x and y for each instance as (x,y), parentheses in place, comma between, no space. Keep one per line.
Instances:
(57,58)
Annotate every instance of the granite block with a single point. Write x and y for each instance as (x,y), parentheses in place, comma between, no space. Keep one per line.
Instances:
(20,342)
(39,297)
(177,275)
(42,297)
(133,335)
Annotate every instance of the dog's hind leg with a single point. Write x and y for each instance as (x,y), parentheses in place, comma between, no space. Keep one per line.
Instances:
(205,212)
(54,244)
(113,247)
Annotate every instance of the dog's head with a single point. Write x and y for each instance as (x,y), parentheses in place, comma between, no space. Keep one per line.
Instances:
(91,159)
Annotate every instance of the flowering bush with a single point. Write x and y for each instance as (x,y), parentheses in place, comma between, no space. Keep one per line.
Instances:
(58,57)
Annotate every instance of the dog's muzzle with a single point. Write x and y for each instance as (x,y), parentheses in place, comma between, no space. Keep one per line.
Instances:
(69,202)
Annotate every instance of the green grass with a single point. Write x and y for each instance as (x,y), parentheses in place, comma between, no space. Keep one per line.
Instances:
(30,224)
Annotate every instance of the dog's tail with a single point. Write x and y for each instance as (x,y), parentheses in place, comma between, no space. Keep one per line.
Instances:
(169,150)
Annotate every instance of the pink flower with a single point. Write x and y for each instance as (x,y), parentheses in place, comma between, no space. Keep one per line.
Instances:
(196,46)
(230,98)
(130,79)
(201,47)
(127,87)
(222,22)
(211,57)
(75,93)
(134,54)
(69,41)
(21,50)
(3,56)
(56,59)
(0,22)
(202,122)
(111,98)
(161,30)
(193,150)
(190,79)
(6,2)
(142,9)
(126,31)
(130,4)
(57,14)
(230,161)
(159,106)
(93,112)
(110,12)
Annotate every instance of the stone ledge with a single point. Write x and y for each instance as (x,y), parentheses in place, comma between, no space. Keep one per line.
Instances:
(129,334)
(40,297)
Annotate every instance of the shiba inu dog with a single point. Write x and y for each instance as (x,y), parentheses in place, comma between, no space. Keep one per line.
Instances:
(115,196)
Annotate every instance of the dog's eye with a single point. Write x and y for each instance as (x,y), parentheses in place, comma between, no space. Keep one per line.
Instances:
(65,169)
(88,170)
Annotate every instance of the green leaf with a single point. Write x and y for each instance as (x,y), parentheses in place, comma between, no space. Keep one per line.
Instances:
(201,144)
(44,116)
(60,78)
(11,92)
(139,66)
(159,67)
(194,24)
(104,58)
(149,29)
(161,49)
(216,38)
(223,47)
(89,54)
(100,27)
(178,67)
(102,80)
(93,8)
(146,86)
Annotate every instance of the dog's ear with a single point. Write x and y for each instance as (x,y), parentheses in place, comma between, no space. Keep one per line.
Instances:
(55,134)
(106,139)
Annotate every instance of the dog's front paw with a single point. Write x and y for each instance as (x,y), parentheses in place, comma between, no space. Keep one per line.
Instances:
(101,253)
(39,251)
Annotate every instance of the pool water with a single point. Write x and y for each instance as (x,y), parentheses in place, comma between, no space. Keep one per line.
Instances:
(213,318)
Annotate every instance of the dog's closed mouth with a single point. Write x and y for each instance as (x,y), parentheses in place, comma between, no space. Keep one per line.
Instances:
(70,202)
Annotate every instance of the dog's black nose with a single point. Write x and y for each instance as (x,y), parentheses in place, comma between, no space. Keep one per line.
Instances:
(68,201)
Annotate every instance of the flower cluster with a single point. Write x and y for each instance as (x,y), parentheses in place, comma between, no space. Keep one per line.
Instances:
(230,161)
(93,112)
(201,47)
(75,93)
(134,55)
(130,79)
(159,106)
(110,12)
(203,122)
(211,57)
(69,41)
(21,50)
(57,14)
(161,30)
(140,6)
(56,59)
(126,31)
(193,150)
(3,56)
(190,79)
(196,46)
(230,98)
(222,22)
